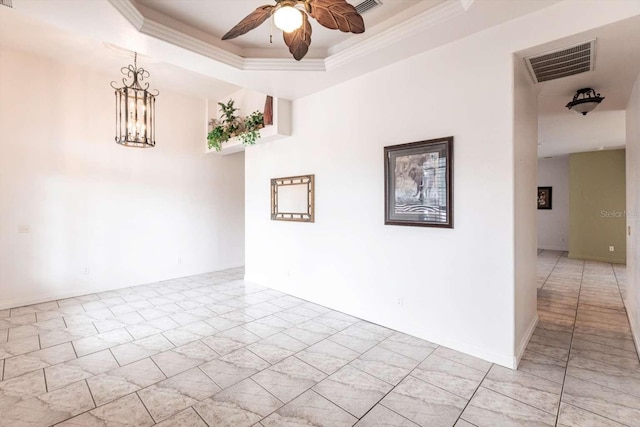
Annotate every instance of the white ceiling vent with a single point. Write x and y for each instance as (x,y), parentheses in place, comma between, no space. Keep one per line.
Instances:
(574,59)
(367,5)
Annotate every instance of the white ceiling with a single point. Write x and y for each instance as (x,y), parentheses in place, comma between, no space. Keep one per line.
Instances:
(561,134)
(23,33)
(617,65)
(424,26)
(219,16)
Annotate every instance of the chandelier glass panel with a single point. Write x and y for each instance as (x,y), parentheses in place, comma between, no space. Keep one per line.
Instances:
(135,108)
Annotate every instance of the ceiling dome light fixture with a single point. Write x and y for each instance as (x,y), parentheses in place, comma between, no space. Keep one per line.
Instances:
(135,108)
(584,101)
(287,17)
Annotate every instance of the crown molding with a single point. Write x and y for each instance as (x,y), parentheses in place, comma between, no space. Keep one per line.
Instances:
(193,44)
(165,33)
(395,34)
(283,64)
(129,11)
(343,55)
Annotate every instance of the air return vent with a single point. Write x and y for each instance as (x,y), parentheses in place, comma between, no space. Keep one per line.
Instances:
(367,5)
(564,62)
(6,3)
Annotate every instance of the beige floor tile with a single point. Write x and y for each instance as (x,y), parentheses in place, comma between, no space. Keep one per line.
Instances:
(243,404)
(530,389)
(289,378)
(187,418)
(380,416)
(423,403)
(489,409)
(126,411)
(125,380)
(310,409)
(49,408)
(603,401)
(175,394)
(353,390)
(572,416)
(449,375)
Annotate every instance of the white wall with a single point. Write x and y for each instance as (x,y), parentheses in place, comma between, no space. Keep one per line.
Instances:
(458,286)
(525,144)
(348,259)
(129,216)
(553,225)
(631,290)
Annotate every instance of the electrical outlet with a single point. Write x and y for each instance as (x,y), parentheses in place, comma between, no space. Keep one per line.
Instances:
(24,229)
(399,301)
(86,270)
(179,261)
(611,249)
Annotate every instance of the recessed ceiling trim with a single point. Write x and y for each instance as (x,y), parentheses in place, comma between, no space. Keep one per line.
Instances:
(566,61)
(407,29)
(178,38)
(342,55)
(282,64)
(129,11)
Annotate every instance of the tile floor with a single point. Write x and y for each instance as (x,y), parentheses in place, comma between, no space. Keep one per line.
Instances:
(213,350)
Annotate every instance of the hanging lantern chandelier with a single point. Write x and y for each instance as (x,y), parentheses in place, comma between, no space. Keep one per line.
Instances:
(135,108)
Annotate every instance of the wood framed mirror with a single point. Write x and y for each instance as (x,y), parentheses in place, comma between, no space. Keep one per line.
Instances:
(292,198)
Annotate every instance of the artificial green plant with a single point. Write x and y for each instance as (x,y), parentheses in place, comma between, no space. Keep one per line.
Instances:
(247,129)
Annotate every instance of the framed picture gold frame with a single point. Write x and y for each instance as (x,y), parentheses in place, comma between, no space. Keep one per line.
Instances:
(293,198)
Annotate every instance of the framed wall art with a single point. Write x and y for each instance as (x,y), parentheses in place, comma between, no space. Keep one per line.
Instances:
(544,197)
(418,183)
(292,198)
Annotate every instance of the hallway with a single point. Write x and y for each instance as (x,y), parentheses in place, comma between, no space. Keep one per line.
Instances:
(583,341)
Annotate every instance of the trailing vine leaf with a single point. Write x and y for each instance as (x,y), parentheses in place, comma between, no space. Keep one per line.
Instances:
(246,129)
(337,15)
(300,39)
(251,21)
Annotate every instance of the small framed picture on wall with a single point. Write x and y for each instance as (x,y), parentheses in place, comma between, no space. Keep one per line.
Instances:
(544,197)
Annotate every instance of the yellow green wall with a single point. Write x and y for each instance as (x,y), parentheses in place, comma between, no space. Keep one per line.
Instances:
(597,206)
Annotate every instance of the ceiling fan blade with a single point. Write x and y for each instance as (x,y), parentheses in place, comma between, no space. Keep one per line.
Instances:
(337,15)
(251,21)
(300,39)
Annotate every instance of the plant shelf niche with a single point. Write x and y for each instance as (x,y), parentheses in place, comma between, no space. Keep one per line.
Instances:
(247,101)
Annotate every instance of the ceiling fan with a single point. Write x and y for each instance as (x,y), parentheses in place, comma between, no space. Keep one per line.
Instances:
(294,22)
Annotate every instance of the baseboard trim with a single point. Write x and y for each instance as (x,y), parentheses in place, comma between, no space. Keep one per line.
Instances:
(30,300)
(508,361)
(597,259)
(525,341)
(554,249)
(634,333)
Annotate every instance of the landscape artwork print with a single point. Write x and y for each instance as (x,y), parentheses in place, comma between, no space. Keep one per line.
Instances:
(418,188)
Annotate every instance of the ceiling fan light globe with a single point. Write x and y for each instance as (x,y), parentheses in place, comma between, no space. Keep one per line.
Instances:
(585,107)
(287,18)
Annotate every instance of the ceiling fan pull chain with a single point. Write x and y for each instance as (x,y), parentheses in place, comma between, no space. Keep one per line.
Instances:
(271,31)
